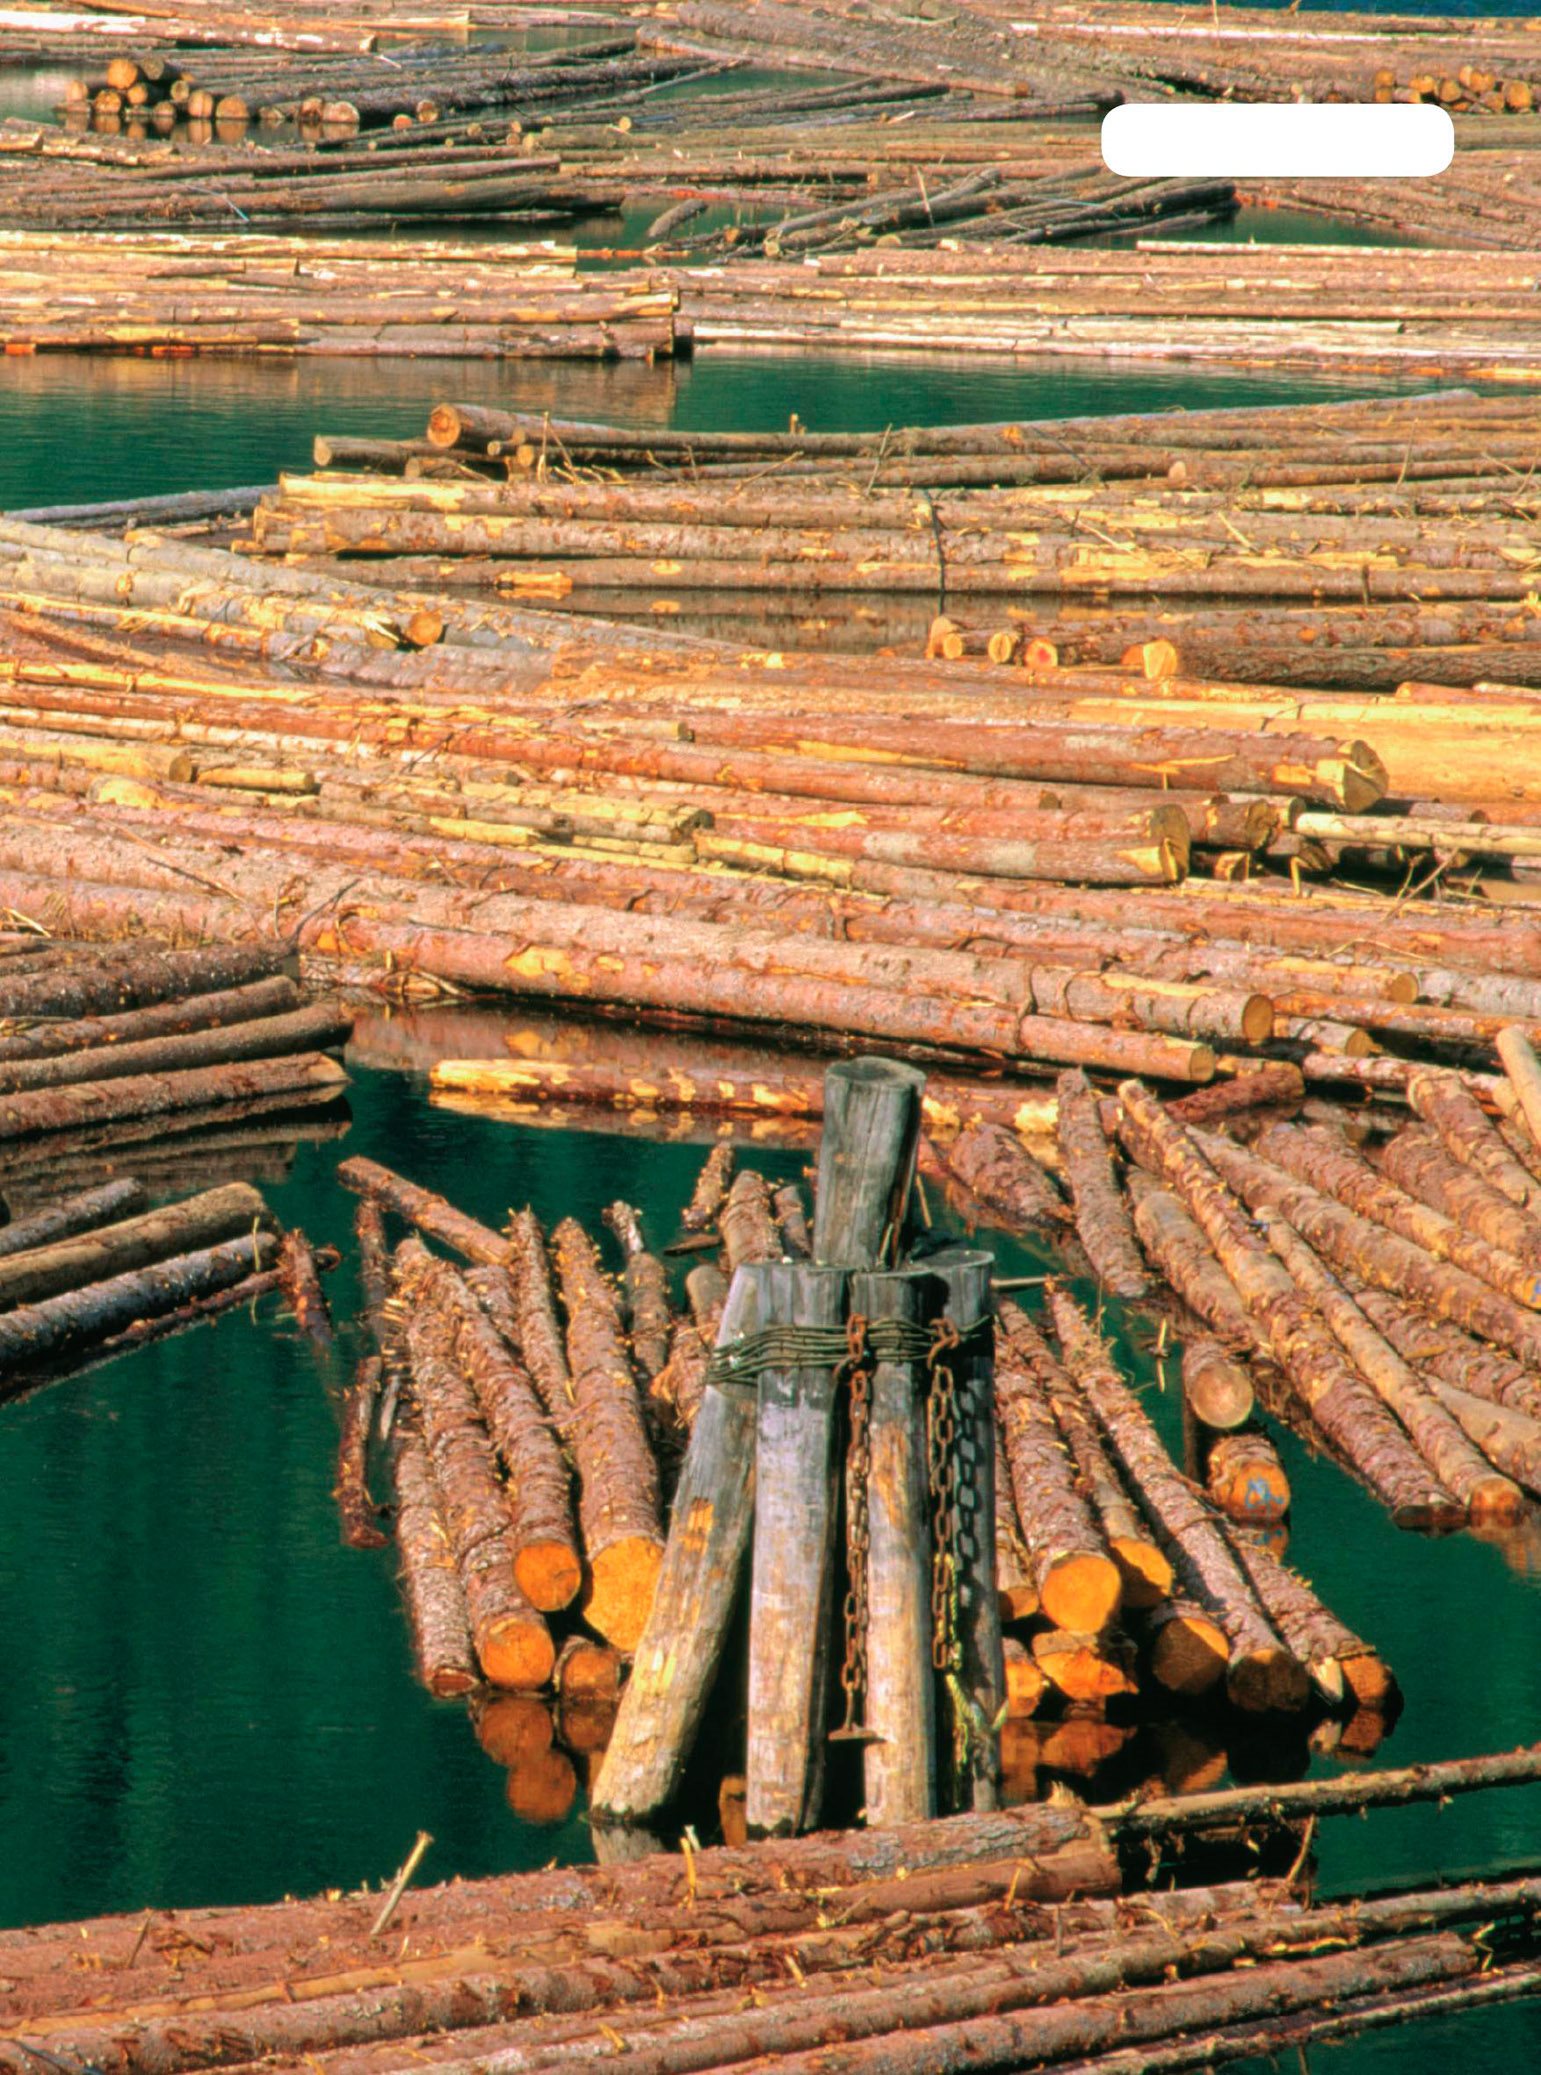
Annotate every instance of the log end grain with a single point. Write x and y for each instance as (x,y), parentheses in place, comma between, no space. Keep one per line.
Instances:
(1496,1498)
(1144,1572)
(622,1581)
(1190,1653)
(549,1574)
(516,1652)
(1265,1681)
(1081,1591)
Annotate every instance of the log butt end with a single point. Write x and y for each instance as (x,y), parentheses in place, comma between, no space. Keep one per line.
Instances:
(1496,1498)
(550,1575)
(1082,1592)
(516,1652)
(622,1581)
(1190,1654)
(1145,1573)
(1267,1681)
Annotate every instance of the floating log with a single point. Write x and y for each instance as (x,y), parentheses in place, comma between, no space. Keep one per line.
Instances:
(618,1495)
(83,1212)
(997,1168)
(436,1610)
(421,1207)
(1262,1673)
(1246,1479)
(351,1489)
(91,1256)
(648,1312)
(1101,1218)
(1078,1583)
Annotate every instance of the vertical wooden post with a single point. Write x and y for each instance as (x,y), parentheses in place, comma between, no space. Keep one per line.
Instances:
(681,1646)
(867,1155)
(900,1764)
(965,1273)
(792,1609)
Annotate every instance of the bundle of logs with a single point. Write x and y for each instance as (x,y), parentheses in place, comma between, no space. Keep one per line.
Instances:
(416,83)
(989,1942)
(1011,1606)
(141,1064)
(1294,530)
(56,28)
(88,1277)
(1370,1280)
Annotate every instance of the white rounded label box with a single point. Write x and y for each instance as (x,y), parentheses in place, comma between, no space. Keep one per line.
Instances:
(1295,140)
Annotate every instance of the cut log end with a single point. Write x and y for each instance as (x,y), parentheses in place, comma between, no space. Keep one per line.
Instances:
(1082,1592)
(517,1653)
(1496,1498)
(1371,1681)
(550,1575)
(1145,1574)
(622,1581)
(1265,1681)
(1190,1654)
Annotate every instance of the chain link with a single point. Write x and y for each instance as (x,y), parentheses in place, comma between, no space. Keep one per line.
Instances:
(856,1372)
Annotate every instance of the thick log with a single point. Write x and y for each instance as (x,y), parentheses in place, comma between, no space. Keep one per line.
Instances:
(538,1332)
(546,1556)
(1101,1215)
(1263,1673)
(34,1333)
(994,1165)
(300,1280)
(748,1230)
(1217,1387)
(1336,1658)
(1078,1583)
(711,1190)
(618,1490)
(1517,1057)
(85,1103)
(84,1212)
(1278,1084)
(792,1597)
(681,1646)
(513,1644)
(355,1508)
(1460,1468)
(1145,1573)
(134,981)
(1189,1650)
(233,1005)
(1418,1162)
(323,1028)
(1443,1101)
(87,1257)
(1184,1256)
(648,1312)
(436,1608)
(1438,1350)
(417,1206)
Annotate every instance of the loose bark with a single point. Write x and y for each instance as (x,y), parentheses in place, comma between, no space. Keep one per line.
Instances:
(1101,1215)
(618,1494)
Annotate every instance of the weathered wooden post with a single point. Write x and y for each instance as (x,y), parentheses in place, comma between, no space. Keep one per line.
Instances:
(676,1660)
(866,1161)
(792,1609)
(887,1512)
(965,1275)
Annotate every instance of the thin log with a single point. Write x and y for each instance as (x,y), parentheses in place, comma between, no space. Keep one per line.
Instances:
(430,1213)
(1101,1215)
(436,1609)
(356,1509)
(84,1212)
